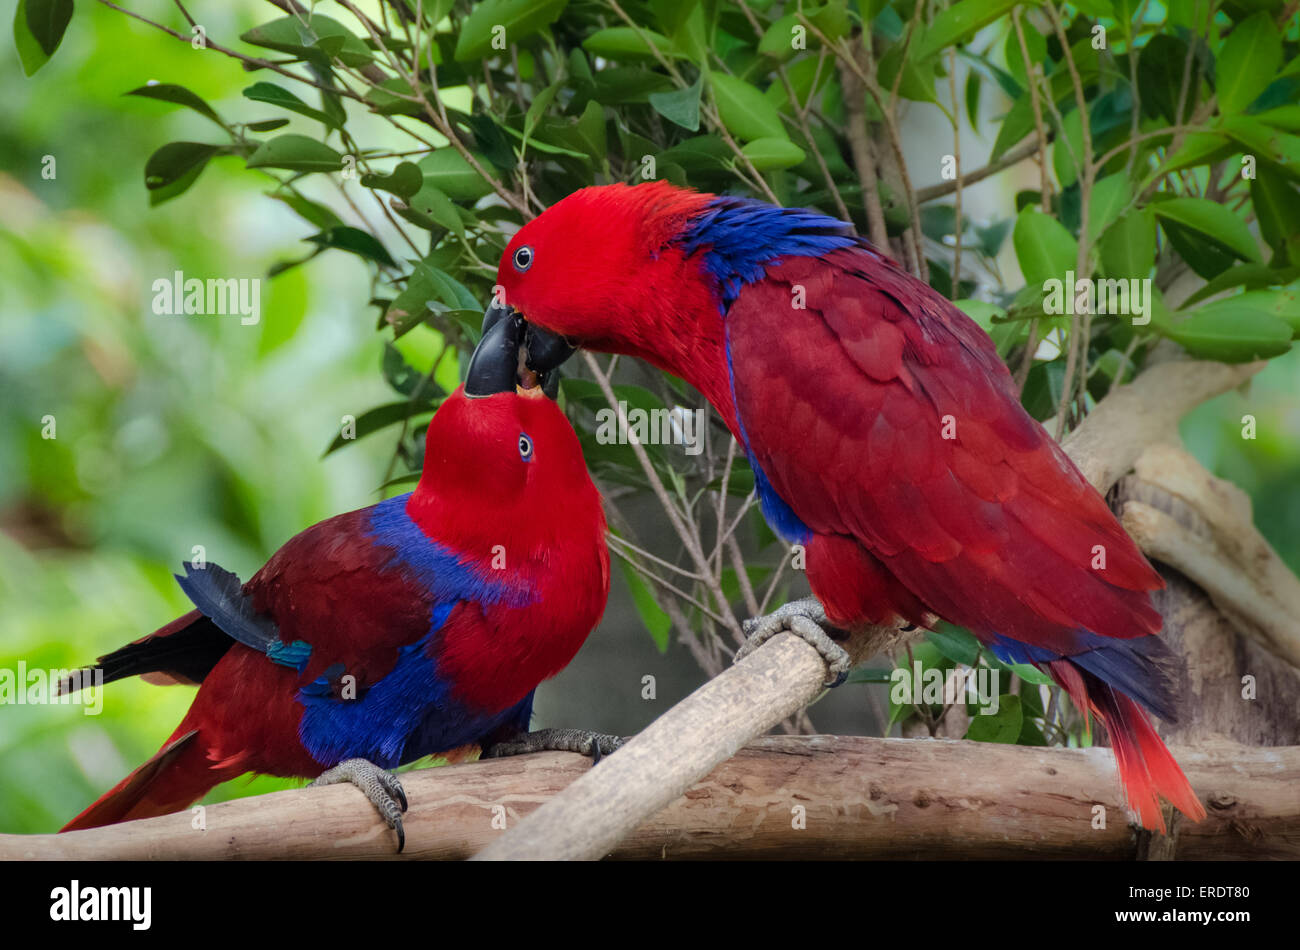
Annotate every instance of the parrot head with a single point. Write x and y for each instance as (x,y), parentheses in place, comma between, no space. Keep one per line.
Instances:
(600,269)
(494,467)
(497,456)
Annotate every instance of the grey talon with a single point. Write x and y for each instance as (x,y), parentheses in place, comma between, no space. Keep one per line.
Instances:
(380,786)
(806,619)
(581,741)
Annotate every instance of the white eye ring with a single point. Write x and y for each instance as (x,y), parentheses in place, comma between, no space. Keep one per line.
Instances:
(523,258)
(525,447)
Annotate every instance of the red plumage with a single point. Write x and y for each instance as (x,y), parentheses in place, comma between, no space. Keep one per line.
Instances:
(884,419)
(482,583)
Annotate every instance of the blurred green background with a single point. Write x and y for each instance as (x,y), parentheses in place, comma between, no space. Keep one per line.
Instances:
(173,432)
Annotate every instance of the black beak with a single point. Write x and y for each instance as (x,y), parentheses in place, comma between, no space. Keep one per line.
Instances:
(494,366)
(545,350)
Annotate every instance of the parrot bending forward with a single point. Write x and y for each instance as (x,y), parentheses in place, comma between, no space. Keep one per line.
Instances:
(414,627)
(885,435)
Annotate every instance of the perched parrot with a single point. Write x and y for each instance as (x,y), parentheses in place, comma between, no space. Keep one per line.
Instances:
(885,435)
(417,626)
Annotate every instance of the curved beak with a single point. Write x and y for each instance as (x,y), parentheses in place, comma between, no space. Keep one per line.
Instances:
(495,364)
(543,351)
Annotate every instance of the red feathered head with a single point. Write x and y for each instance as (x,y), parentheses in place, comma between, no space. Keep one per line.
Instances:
(598,265)
(505,469)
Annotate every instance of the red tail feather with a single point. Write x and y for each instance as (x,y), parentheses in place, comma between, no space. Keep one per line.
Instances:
(176,776)
(1146,768)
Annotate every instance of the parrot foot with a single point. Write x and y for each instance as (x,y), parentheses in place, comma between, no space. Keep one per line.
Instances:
(380,786)
(581,741)
(806,619)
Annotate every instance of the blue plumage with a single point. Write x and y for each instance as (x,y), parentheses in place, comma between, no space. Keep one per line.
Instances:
(741,237)
(439,571)
(1132,666)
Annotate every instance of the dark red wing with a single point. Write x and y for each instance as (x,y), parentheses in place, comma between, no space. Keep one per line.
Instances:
(336,590)
(882,413)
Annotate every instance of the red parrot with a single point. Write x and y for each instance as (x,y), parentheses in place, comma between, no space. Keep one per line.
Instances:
(414,627)
(885,435)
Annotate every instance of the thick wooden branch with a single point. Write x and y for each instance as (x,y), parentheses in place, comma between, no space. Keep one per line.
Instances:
(1228,557)
(860,798)
(1147,410)
(674,751)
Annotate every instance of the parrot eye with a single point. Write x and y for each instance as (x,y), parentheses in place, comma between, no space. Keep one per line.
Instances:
(523,258)
(525,447)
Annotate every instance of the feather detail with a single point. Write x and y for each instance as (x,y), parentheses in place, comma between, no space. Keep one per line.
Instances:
(219,595)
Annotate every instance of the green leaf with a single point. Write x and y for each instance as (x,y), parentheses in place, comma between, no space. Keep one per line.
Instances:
(47,20)
(744,110)
(429,208)
(313,37)
(767,154)
(537,107)
(621,42)
(1044,248)
(308,210)
(354,241)
(960,22)
(503,22)
(381,417)
(1030,674)
(177,95)
(917,82)
(1128,249)
(1110,195)
(1283,303)
(275,95)
(431,290)
(296,153)
(447,170)
(591,129)
(173,168)
(1199,148)
(1282,117)
(778,39)
(1277,208)
(681,106)
(1229,332)
(1251,276)
(266,125)
(954,642)
(1035,43)
(404,181)
(1248,62)
(1068,146)
(1270,144)
(1003,726)
(411,307)
(872,675)
(974,88)
(1016,124)
(390,97)
(831,18)
(543,146)
(30,53)
(658,623)
(1211,220)
(620,85)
